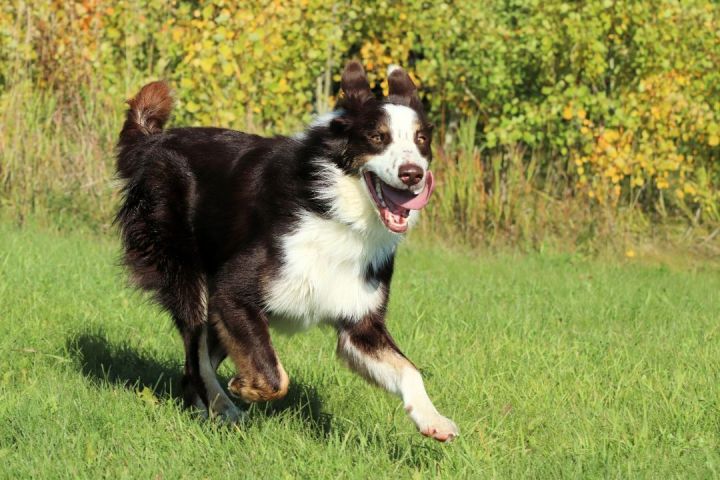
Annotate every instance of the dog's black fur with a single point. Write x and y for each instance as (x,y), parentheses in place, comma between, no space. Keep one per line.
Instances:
(204,213)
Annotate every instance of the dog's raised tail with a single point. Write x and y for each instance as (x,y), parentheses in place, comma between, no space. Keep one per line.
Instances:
(148,112)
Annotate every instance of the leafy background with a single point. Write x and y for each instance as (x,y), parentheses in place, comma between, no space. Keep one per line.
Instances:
(576,123)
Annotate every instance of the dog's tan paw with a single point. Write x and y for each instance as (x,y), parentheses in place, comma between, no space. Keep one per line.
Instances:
(258,389)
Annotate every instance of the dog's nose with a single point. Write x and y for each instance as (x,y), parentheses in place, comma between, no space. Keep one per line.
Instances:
(410,174)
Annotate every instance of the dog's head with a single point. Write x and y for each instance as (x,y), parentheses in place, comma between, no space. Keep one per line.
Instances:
(386,144)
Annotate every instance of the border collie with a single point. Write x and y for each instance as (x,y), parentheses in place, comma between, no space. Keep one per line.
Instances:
(234,233)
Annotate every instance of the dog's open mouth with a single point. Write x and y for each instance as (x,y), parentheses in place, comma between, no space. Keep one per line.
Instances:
(393,204)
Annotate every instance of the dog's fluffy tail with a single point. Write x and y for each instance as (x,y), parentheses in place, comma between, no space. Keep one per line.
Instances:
(148,112)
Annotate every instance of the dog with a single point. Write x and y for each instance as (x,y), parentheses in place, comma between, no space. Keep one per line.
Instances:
(234,233)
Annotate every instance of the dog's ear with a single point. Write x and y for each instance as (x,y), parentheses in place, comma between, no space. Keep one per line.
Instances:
(357,93)
(399,82)
(355,83)
(402,90)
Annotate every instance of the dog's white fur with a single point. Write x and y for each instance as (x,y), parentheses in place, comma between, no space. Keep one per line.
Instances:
(399,377)
(323,274)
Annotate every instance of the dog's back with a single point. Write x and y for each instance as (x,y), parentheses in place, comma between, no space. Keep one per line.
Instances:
(176,220)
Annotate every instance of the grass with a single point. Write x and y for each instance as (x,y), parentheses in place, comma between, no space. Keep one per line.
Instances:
(56,157)
(552,365)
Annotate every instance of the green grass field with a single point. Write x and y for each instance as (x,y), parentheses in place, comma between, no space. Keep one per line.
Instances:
(551,365)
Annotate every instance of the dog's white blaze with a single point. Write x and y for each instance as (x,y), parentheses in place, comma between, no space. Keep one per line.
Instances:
(219,402)
(403,123)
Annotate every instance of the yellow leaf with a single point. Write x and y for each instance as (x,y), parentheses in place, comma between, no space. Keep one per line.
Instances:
(611,135)
(147,395)
(714,141)
(225,51)
(283,86)
(567,113)
(207,64)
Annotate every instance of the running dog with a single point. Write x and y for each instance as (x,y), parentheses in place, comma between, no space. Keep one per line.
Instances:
(234,233)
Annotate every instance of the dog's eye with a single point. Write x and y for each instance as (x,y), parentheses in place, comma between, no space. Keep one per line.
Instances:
(376,138)
(421,138)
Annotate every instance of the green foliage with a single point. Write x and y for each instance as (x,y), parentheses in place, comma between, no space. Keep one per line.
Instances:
(610,103)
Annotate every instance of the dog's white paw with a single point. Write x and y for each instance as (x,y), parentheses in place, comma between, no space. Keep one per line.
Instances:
(432,424)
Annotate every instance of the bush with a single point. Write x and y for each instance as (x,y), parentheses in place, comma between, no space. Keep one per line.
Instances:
(609,103)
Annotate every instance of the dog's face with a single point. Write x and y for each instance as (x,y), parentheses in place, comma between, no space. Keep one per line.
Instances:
(386,144)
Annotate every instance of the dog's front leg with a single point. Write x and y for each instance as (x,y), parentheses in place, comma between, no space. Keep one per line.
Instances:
(370,351)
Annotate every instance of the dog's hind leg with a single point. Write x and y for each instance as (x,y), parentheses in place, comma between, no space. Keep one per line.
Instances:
(216,350)
(244,333)
(186,303)
(370,351)
(203,355)
(182,293)
(162,256)
(211,354)
(192,390)
(186,299)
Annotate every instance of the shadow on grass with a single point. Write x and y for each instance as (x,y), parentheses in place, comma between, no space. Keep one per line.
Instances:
(104,363)
(302,401)
(120,364)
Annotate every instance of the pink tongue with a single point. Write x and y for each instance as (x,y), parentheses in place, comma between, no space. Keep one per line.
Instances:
(408,200)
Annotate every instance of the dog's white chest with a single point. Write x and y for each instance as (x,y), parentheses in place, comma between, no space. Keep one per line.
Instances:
(323,275)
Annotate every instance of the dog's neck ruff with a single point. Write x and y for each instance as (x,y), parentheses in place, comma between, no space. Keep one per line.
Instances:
(326,259)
